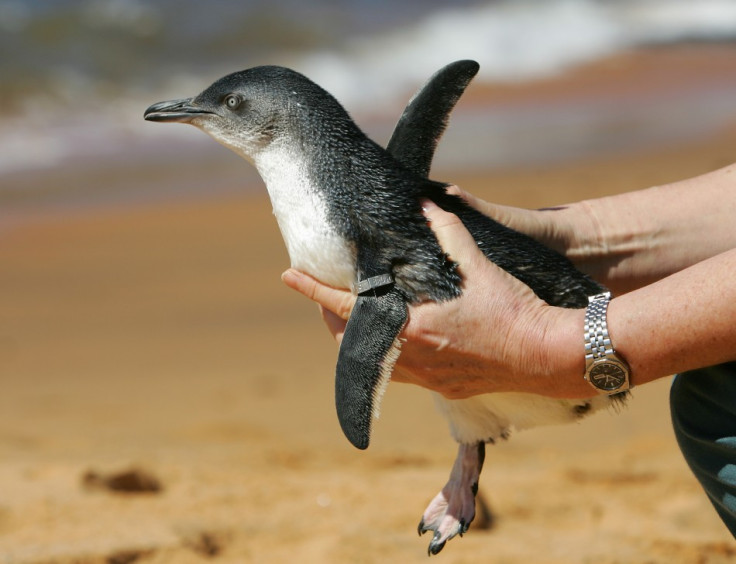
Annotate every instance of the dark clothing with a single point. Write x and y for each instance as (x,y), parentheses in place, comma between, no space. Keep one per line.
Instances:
(703,406)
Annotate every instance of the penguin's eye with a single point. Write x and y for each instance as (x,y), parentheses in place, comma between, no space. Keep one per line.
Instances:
(232,101)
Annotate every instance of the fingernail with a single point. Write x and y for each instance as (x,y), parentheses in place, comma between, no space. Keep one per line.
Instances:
(428,205)
(289,276)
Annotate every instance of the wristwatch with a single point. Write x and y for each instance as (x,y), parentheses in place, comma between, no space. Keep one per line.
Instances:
(606,371)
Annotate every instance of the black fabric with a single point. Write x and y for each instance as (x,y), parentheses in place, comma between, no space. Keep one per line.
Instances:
(703,407)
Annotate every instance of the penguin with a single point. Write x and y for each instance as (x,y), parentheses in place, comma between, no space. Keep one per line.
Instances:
(350,214)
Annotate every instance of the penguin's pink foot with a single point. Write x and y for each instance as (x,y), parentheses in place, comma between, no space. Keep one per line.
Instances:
(453,509)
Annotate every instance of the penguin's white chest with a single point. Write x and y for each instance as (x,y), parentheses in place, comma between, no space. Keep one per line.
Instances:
(302,213)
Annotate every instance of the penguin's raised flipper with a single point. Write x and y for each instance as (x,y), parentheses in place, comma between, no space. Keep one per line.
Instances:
(425,118)
(370,345)
(368,352)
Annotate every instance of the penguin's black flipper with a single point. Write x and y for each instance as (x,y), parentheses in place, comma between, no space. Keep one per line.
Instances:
(368,352)
(424,120)
(370,345)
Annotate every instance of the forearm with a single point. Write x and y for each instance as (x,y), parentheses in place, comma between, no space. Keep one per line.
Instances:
(633,239)
(682,322)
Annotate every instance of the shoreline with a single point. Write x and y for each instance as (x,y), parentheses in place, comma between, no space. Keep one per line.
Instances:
(616,107)
(531,186)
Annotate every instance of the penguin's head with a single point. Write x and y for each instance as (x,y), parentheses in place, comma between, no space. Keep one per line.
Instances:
(251,110)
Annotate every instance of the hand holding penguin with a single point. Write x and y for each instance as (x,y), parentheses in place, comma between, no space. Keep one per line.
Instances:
(351,216)
(453,348)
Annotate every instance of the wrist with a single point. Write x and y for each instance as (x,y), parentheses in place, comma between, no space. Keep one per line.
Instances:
(572,230)
(610,242)
(563,365)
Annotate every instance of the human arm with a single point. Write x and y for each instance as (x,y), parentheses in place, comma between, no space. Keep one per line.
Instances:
(632,239)
(499,337)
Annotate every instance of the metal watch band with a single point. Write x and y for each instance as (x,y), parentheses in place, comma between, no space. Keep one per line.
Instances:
(597,341)
(606,371)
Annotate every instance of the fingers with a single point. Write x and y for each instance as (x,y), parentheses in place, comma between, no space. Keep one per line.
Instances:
(482,206)
(340,302)
(549,229)
(452,235)
(335,324)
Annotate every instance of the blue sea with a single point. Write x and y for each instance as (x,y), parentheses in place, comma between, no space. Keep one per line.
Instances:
(76,76)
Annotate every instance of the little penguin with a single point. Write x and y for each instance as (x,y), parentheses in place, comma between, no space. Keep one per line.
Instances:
(350,214)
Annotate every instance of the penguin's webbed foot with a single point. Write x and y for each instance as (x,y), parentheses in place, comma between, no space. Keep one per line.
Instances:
(453,509)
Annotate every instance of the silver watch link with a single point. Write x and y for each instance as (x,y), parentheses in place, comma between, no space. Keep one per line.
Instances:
(606,371)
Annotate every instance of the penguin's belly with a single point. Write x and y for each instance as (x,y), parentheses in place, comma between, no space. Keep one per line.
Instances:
(315,249)
(488,417)
(314,245)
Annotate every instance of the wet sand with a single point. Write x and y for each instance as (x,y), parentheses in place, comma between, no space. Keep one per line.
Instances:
(157,341)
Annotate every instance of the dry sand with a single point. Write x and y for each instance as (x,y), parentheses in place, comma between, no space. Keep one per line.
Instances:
(158,341)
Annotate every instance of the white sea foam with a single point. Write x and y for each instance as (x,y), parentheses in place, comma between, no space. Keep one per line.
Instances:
(512,40)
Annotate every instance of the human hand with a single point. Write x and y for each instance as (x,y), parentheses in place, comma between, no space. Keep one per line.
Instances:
(552,227)
(487,340)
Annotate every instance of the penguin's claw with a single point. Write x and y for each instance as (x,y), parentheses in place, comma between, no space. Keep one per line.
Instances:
(438,542)
(453,509)
(435,546)
(447,518)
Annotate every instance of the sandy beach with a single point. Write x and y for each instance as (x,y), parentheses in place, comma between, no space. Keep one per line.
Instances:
(165,399)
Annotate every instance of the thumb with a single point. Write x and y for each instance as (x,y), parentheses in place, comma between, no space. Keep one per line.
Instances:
(452,235)
(340,302)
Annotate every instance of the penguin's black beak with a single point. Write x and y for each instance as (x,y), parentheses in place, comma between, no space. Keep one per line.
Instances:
(175,111)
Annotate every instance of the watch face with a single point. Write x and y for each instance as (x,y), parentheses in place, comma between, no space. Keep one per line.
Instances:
(607,376)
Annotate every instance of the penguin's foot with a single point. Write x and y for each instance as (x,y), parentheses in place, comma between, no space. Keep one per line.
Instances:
(453,509)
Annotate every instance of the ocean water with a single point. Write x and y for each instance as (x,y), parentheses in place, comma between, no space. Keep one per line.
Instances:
(76,75)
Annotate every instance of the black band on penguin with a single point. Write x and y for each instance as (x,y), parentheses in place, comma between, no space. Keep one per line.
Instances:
(370,284)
